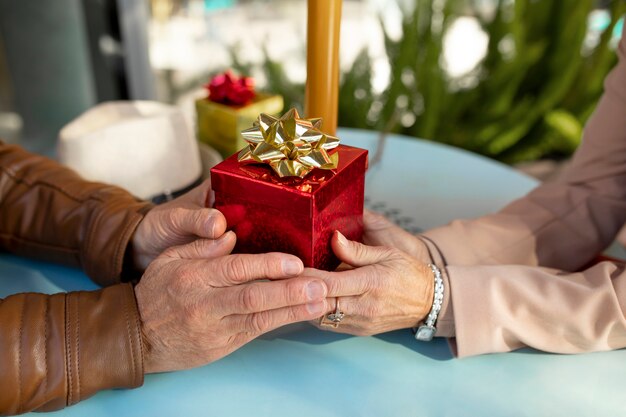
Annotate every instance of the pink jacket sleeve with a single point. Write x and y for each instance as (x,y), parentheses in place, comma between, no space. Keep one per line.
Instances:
(506,271)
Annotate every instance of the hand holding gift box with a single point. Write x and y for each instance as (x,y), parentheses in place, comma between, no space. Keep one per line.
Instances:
(291,188)
(231,106)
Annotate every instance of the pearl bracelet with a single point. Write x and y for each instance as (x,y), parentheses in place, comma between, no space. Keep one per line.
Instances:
(426,331)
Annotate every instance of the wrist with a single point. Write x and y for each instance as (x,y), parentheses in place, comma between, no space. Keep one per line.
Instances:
(137,257)
(445,320)
(426,330)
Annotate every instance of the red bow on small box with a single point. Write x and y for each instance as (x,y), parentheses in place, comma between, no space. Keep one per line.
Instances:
(231,90)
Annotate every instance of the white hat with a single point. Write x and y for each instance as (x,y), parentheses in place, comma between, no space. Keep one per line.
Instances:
(145,147)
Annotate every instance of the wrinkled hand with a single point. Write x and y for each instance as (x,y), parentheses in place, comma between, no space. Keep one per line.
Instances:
(379,231)
(197,305)
(388,289)
(177,222)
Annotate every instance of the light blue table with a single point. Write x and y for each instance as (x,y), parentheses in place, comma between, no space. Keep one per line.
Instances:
(300,371)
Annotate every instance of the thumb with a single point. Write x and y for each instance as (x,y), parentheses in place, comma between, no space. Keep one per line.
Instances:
(357,254)
(204,223)
(204,248)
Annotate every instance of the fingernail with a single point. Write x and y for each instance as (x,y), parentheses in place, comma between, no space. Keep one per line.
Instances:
(315,291)
(292,267)
(316,309)
(341,239)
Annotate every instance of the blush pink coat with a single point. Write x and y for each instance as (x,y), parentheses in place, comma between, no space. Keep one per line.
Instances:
(515,278)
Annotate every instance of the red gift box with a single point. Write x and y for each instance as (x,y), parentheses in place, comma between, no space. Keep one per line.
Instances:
(293,215)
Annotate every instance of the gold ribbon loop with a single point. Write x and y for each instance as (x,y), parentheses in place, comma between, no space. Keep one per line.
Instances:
(292,146)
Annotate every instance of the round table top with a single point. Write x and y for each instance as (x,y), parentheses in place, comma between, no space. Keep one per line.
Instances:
(299,370)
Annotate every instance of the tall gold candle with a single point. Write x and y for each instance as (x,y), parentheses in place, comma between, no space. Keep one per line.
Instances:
(322,58)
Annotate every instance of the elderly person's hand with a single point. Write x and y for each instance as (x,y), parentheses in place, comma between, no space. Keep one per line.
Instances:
(390,286)
(379,231)
(198,304)
(177,222)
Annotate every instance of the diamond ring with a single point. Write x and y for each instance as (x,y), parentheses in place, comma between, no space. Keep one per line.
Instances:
(333,319)
(335,316)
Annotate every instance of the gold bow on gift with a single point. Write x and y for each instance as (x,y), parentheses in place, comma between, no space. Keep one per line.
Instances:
(293,147)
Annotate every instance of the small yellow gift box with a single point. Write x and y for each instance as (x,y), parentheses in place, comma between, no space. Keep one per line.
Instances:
(220,125)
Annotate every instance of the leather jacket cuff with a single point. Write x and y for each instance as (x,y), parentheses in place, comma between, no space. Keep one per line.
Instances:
(103,341)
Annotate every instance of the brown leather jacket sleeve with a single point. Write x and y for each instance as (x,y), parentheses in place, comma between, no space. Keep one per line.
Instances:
(57,350)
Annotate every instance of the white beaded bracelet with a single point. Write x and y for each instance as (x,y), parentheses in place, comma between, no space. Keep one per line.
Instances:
(426,331)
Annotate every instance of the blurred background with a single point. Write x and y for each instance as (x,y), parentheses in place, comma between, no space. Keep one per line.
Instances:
(514,80)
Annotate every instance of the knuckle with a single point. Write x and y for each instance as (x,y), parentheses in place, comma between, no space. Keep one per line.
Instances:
(272,264)
(181,279)
(364,253)
(250,299)
(259,322)
(236,267)
(175,214)
(295,314)
(334,286)
(293,293)
(360,250)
